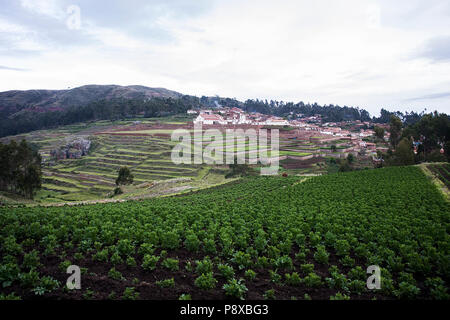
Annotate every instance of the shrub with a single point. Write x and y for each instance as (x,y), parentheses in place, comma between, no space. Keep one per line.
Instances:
(293,279)
(250,274)
(406,291)
(101,255)
(283,262)
(149,262)
(167,283)
(357,286)
(210,246)
(269,294)
(274,276)
(192,243)
(337,281)
(307,268)
(131,262)
(339,296)
(347,261)
(235,288)
(130,294)
(357,273)
(243,260)
(64,265)
(170,240)
(226,271)
(125,247)
(312,280)
(204,266)
(206,281)
(115,274)
(31,260)
(171,264)
(342,247)
(185,296)
(116,258)
(321,255)
(29,279)
(146,248)
(437,288)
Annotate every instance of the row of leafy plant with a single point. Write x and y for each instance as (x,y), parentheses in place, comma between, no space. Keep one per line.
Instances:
(318,234)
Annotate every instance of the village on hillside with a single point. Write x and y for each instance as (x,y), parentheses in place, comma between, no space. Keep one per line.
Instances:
(303,138)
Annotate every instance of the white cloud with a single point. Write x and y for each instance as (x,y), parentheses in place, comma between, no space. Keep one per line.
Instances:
(354,52)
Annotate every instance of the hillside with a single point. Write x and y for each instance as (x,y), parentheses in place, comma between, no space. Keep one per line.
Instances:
(12,102)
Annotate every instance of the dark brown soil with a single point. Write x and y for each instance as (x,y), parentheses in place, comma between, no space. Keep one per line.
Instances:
(96,284)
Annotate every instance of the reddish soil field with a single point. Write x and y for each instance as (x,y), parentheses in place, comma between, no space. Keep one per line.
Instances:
(300,164)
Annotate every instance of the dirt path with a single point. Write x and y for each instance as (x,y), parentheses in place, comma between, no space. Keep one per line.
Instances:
(437,182)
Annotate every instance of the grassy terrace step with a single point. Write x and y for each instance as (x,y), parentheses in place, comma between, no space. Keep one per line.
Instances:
(124,157)
(111,175)
(77,178)
(114,161)
(160,172)
(166,168)
(53,187)
(146,178)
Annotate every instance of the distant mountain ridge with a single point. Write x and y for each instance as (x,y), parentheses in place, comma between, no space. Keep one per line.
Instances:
(15,101)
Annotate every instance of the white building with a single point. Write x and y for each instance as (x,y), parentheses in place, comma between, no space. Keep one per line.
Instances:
(276,122)
(204,118)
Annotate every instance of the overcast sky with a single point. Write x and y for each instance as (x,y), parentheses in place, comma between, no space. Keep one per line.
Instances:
(366,53)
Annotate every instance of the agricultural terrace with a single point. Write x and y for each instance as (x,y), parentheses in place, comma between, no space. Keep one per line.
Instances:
(284,237)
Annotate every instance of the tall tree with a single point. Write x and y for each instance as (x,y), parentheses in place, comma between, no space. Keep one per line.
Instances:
(404,154)
(395,129)
(124,177)
(379,132)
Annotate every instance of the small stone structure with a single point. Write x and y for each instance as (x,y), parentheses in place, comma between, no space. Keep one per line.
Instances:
(74,148)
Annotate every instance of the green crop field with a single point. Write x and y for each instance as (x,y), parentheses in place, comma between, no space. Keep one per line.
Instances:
(254,238)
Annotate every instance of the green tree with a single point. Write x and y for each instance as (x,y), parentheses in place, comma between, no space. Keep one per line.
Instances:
(404,154)
(379,132)
(20,168)
(350,158)
(395,129)
(124,177)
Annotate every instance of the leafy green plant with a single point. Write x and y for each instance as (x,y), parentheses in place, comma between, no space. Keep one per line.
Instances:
(130,294)
(339,296)
(250,274)
(170,264)
(192,243)
(206,281)
(269,294)
(235,288)
(312,280)
(149,262)
(131,262)
(167,283)
(115,274)
(31,260)
(307,268)
(283,262)
(226,271)
(293,279)
(204,266)
(321,255)
(185,296)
